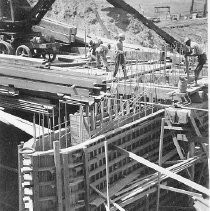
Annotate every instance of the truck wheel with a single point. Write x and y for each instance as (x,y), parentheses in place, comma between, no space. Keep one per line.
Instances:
(6,48)
(49,55)
(24,51)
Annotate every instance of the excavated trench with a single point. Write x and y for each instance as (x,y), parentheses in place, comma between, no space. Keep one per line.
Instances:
(10,138)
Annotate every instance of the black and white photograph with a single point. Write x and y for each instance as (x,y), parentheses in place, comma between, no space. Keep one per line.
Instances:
(104,105)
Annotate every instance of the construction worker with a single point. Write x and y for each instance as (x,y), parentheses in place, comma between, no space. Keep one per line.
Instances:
(101,53)
(92,51)
(120,55)
(195,50)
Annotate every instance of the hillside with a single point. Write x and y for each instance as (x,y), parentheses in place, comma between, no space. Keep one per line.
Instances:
(80,14)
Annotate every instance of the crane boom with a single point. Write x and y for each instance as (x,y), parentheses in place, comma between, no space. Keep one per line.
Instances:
(164,35)
(40,9)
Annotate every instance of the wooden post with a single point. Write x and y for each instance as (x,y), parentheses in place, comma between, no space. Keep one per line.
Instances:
(81,123)
(107,174)
(50,133)
(160,160)
(56,147)
(35,175)
(66,181)
(102,112)
(86,176)
(69,135)
(20,165)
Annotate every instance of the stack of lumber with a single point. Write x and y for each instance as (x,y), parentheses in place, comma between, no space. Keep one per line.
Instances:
(60,31)
(141,185)
(31,74)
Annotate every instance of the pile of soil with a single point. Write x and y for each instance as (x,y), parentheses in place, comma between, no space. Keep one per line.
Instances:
(80,14)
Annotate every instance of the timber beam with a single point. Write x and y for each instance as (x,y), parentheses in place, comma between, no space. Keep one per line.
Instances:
(164,171)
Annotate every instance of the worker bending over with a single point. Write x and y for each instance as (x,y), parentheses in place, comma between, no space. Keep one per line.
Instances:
(101,53)
(120,55)
(196,50)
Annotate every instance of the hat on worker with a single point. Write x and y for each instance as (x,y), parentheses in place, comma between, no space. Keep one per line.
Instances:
(100,41)
(121,35)
(186,39)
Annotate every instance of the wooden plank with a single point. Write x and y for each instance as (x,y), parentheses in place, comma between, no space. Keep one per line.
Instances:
(192,154)
(66,181)
(86,179)
(189,193)
(177,128)
(46,76)
(43,86)
(71,71)
(165,171)
(56,34)
(25,61)
(56,148)
(58,26)
(35,175)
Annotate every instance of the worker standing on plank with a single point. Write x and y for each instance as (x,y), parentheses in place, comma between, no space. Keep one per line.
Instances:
(196,50)
(101,53)
(120,55)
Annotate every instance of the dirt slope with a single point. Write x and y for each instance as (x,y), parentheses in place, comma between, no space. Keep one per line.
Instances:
(80,14)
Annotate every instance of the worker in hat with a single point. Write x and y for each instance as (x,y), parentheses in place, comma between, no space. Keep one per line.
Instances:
(195,50)
(120,55)
(92,51)
(101,54)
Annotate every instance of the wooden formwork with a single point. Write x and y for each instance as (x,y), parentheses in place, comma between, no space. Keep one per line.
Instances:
(61,177)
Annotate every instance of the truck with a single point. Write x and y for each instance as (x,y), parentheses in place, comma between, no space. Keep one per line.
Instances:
(17,19)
